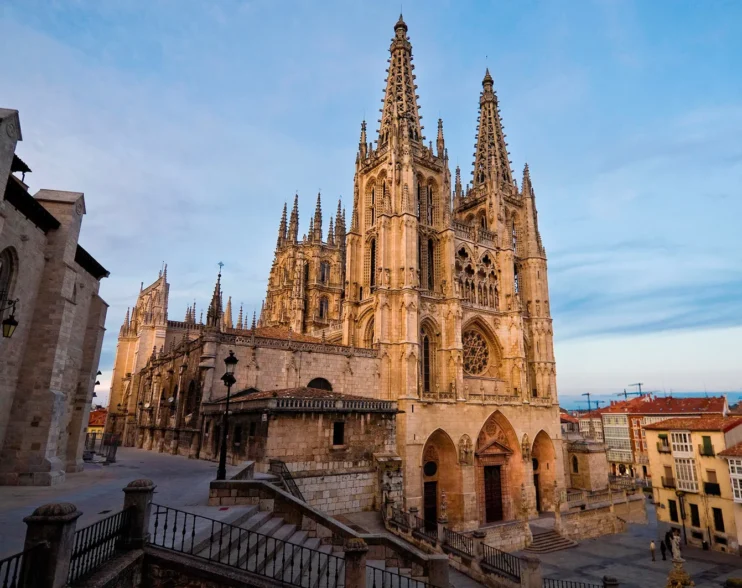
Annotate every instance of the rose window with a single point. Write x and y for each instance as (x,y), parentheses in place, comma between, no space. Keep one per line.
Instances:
(476,353)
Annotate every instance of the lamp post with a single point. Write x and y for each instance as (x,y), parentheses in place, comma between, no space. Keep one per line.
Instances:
(228,378)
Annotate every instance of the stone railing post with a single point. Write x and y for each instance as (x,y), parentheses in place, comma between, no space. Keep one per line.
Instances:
(53,526)
(530,573)
(479,537)
(442,522)
(138,500)
(609,582)
(355,562)
(438,571)
(412,517)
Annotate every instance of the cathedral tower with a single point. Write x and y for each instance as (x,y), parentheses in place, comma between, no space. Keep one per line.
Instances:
(400,233)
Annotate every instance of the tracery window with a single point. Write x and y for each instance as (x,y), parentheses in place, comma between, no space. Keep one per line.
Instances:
(476,353)
(426,363)
(324,272)
(372,276)
(323,308)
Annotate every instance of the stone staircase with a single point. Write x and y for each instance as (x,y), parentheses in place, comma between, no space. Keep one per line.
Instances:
(262,542)
(547,541)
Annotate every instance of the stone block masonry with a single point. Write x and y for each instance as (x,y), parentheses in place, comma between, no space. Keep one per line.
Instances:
(339,493)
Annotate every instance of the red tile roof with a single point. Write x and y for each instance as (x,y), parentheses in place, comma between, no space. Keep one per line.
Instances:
(733,451)
(568,418)
(97,417)
(307,393)
(712,422)
(672,405)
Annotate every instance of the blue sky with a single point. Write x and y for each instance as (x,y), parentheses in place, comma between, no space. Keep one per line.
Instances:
(188,123)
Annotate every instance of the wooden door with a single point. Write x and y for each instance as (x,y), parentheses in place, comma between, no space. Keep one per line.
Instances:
(492,494)
(538,492)
(430,504)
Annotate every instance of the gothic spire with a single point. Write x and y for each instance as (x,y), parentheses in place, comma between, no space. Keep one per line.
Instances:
(440,143)
(214,312)
(400,99)
(228,314)
(340,225)
(282,228)
(317,235)
(491,150)
(127,323)
(362,145)
(253,319)
(239,318)
(331,234)
(294,221)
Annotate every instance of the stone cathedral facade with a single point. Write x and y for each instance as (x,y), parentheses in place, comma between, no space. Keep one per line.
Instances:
(434,298)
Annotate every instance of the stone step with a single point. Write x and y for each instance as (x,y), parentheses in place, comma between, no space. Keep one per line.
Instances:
(548,542)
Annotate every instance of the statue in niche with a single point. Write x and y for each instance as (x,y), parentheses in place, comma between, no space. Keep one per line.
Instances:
(466,453)
(525,447)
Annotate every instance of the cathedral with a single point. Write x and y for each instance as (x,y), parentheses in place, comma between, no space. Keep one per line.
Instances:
(428,315)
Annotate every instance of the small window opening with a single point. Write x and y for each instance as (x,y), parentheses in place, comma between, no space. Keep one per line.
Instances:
(338,433)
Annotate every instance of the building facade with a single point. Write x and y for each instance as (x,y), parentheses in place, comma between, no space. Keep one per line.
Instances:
(49,284)
(691,482)
(733,456)
(436,298)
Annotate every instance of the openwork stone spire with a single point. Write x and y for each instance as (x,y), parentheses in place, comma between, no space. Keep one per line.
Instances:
(316,234)
(400,100)
(491,152)
(282,228)
(293,231)
(214,313)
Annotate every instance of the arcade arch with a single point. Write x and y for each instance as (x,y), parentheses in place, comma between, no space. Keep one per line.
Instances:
(543,457)
(441,473)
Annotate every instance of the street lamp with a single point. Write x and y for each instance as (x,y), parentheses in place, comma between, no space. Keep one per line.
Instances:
(9,324)
(228,378)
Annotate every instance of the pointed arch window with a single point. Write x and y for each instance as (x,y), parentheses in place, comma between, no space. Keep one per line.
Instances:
(418,200)
(429,207)
(426,368)
(306,273)
(431,267)
(372,210)
(323,308)
(515,237)
(516,283)
(372,276)
(324,272)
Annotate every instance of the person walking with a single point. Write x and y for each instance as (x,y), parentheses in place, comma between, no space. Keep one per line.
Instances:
(663,550)
(651,549)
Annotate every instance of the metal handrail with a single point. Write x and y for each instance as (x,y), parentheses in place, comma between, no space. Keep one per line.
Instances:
(278,468)
(500,562)
(257,553)
(13,574)
(459,542)
(554,583)
(385,579)
(428,529)
(97,543)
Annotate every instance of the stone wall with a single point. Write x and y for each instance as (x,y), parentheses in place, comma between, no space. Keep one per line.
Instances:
(340,493)
(587,524)
(634,510)
(509,537)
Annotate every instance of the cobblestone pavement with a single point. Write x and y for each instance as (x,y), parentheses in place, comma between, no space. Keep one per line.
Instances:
(96,491)
(627,558)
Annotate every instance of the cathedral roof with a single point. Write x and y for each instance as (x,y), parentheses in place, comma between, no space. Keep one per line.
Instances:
(277,333)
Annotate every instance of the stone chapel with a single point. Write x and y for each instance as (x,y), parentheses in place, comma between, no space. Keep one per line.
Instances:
(434,299)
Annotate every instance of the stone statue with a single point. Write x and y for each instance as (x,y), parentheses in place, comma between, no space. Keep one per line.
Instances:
(444,507)
(676,548)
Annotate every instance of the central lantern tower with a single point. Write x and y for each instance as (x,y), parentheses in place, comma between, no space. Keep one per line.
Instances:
(400,231)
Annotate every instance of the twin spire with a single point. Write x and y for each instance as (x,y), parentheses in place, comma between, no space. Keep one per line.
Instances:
(491,158)
(400,99)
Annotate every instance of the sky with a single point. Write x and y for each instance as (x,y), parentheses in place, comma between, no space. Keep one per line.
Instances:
(188,124)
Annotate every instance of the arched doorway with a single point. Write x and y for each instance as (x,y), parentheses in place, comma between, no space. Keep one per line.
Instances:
(441,473)
(499,470)
(544,471)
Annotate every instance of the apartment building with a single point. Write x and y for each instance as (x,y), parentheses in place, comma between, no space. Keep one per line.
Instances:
(691,481)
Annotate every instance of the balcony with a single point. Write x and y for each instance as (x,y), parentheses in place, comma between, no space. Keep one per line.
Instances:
(706,450)
(668,482)
(711,489)
(663,447)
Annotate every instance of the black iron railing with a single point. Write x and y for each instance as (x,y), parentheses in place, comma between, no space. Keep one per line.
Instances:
(499,562)
(378,578)
(96,544)
(712,489)
(218,542)
(706,450)
(278,468)
(553,583)
(12,571)
(459,542)
(425,529)
(663,447)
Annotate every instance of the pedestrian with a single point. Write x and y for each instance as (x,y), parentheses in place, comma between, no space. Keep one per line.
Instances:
(651,549)
(668,540)
(663,550)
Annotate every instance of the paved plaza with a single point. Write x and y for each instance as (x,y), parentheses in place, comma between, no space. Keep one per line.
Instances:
(97,491)
(626,557)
